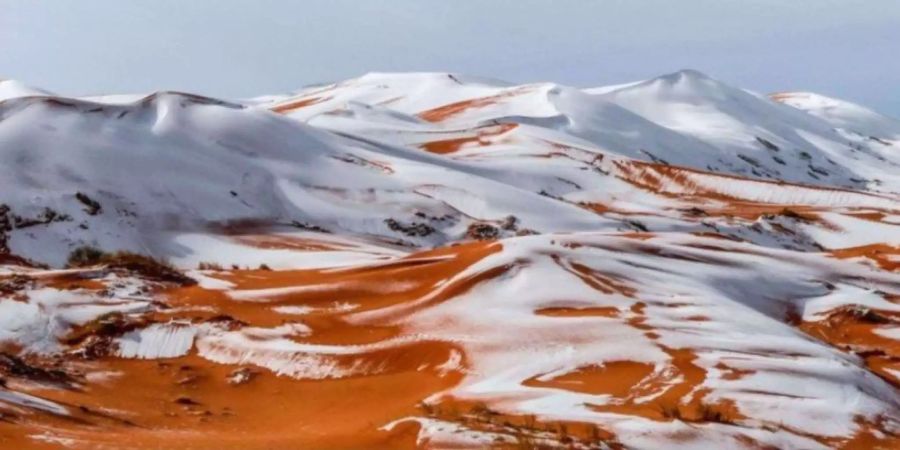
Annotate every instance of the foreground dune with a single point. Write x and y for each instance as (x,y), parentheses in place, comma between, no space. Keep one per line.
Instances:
(580,339)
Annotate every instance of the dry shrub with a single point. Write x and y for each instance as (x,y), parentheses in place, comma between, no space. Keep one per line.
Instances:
(85,256)
(146,266)
(205,265)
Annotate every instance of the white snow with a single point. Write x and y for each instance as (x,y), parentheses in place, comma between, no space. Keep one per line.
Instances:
(889,332)
(168,340)
(14,89)
(843,114)
(48,314)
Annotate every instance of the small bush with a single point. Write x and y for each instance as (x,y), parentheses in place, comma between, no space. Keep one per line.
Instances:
(18,367)
(413,229)
(204,265)
(482,231)
(510,223)
(108,325)
(15,283)
(767,144)
(637,225)
(147,266)
(790,214)
(92,207)
(694,212)
(85,256)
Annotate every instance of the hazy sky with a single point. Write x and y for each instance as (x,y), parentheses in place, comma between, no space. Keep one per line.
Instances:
(226,48)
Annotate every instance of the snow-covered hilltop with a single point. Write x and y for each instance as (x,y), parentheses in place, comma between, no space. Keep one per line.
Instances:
(685,118)
(387,155)
(668,263)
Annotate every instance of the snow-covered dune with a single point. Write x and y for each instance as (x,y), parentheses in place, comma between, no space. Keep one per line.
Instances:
(843,114)
(14,88)
(118,176)
(684,118)
(433,260)
(755,136)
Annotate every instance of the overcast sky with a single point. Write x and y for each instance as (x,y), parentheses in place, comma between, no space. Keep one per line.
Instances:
(226,48)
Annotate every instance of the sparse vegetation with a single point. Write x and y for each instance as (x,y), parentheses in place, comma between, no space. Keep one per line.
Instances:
(13,366)
(518,431)
(704,413)
(654,158)
(95,339)
(15,283)
(413,229)
(92,207)
(482,231)
(749,160)
(47,216)
(308,227)
(866,315)
(639,226)
(107,325)
(5,227)
(85,256)
(788,213)
(694,212)
(510,223)
(205,265)
(879,140)
(767,144)
(818,170)
(146,266)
